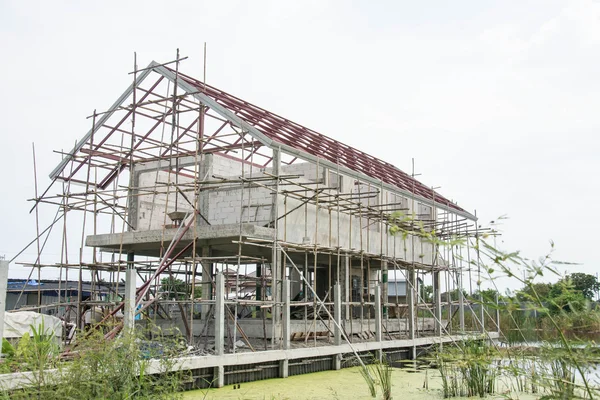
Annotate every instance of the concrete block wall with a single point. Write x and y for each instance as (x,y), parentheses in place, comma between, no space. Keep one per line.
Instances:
(152,207)
(224,166)
(226,205)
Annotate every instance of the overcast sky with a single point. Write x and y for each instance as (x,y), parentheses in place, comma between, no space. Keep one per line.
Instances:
(497,102)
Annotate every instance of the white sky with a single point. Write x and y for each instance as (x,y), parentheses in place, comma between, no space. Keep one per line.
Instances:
(498,102)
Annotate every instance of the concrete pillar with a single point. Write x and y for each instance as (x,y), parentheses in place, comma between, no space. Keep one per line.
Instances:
(337,314)
(482,312)
(410,301)
(129,303)
(461,303)
(296,283)
(206,283)
(378,322)
(437,303)
(204,170)
(3,287)
(219,376)
(346,293)
(220,315)
(286,328)
(259,290)
(378,313)
(336,361)
(284,368)
(384,287)
(497,314)
(276,270)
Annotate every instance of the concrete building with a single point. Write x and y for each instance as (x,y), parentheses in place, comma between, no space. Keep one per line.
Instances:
(188,180)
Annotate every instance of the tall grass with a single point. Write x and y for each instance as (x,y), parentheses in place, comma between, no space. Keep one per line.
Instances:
(469,370)
(97,369)
(378,373)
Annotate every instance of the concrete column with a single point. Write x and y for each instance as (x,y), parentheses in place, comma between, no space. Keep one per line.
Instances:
(276,294)
(206,283)
(220,315)
(346,293)
(204,170)
(384,287)
(378,313)
(482,312)
(286,328)
(3,287)
(337,314)
(497,315)
(284,368)
(129,303)
(461,303)
(219,376)
(259,290)
(437,303)
(410,300)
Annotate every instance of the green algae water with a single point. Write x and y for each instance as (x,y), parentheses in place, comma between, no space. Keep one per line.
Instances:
(343,384)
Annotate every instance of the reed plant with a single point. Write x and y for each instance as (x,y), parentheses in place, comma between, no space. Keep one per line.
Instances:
(97,368)
(378,373)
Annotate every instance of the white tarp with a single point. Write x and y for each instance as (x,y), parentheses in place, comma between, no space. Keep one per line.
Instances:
(17,323)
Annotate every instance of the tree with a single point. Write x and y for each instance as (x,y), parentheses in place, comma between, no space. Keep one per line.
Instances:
(564,297)
(176,288)
(587,284)
(541,289)
(487,295)
(427,293)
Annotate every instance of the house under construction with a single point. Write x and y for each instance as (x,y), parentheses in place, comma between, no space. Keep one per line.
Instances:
(262,241)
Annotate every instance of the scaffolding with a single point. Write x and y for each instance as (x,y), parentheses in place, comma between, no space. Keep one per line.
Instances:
(178,181)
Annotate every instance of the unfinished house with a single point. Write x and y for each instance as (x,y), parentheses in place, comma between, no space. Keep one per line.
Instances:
(283,239)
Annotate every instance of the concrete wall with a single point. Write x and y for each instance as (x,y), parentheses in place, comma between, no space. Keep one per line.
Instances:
(227,203)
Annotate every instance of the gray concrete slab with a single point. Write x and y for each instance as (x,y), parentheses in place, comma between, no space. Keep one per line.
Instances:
(148,243)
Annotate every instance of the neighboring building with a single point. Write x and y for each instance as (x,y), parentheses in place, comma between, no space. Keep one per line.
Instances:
(397,297)
(31,294)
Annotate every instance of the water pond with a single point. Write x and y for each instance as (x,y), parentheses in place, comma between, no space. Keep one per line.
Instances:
(344,384)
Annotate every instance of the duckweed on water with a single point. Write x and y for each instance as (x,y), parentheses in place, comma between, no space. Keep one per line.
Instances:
(344,384)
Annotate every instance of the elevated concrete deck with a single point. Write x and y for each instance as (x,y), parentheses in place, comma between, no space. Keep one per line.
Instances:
(225,369)
(149,243)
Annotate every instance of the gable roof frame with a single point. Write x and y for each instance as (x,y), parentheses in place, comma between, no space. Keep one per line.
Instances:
(256,134)
(103,118)
(276,146)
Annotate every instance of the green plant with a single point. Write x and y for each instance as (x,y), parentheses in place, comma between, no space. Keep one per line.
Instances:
(378,373)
